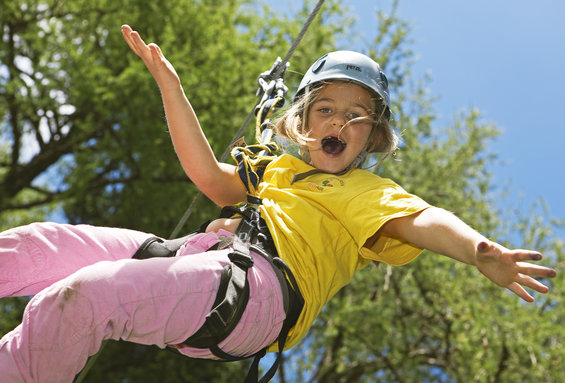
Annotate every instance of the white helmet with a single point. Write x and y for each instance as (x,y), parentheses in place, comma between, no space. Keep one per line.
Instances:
(349,66)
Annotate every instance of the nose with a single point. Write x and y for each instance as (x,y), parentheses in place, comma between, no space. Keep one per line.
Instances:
(338,119)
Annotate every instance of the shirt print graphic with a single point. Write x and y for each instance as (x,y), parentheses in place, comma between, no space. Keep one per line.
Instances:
(328,183)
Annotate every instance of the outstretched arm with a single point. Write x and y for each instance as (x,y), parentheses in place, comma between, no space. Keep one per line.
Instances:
(219,181)
(442,232)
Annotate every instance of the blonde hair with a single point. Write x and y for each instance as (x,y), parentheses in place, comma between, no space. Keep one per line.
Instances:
(293,124)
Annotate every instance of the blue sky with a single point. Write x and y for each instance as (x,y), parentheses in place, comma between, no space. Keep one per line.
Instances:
(506,58)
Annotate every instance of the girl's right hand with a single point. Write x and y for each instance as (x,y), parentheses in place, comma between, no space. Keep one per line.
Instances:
(161,69)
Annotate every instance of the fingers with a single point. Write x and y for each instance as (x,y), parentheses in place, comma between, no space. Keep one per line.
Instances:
(534,270)
(150,54)
(532,283)
(526,272)
(526,255)
(513,268)
(134,40)
(525,278)
(521,292)
(126,33)
(156,52)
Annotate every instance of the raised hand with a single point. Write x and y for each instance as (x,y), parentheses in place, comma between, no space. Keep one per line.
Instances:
(161,69)
(510,269)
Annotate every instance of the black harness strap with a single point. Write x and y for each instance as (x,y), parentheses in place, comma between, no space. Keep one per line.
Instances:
(159,247)
(292,314)
(231,300)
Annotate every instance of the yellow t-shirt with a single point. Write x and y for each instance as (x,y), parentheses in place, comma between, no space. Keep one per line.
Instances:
(321,223)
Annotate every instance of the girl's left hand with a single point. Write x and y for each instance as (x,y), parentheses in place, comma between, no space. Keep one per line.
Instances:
(510,269)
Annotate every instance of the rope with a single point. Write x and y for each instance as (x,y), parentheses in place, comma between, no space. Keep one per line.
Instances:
(277,72)
(305,27)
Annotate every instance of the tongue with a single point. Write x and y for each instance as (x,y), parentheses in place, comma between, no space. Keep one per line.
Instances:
(333,145)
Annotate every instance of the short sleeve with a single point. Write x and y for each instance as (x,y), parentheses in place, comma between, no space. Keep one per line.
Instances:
(390,251)
(381,204)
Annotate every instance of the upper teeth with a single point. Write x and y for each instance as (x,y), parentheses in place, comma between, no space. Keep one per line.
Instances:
(333,145)
(332,138)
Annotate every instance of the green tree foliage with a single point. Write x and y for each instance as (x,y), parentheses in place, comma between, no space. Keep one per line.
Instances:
(82,120)
(83,135)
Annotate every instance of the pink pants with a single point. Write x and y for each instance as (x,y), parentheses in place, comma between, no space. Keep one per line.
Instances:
(87,289)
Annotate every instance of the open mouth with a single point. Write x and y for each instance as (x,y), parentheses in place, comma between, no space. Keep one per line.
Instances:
(333,145)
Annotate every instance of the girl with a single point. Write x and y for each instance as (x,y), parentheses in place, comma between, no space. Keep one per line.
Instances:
(325,217)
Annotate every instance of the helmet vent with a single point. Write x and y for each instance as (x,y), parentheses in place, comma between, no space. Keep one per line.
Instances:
(319,64)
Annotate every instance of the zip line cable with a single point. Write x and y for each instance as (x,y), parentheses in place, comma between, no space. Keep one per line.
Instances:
(276,71)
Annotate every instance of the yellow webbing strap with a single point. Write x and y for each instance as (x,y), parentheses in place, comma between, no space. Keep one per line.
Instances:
(253,159)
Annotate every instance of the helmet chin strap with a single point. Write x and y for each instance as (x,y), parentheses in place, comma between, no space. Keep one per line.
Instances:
(358,161)
(305,154)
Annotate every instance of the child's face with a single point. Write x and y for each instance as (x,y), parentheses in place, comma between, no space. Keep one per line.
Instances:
(334,147)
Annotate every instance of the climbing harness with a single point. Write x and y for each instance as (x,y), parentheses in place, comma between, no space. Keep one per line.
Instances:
(233,292)
(252,233)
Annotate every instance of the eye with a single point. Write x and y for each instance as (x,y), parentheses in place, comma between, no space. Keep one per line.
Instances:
(324,110)
(351,116)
